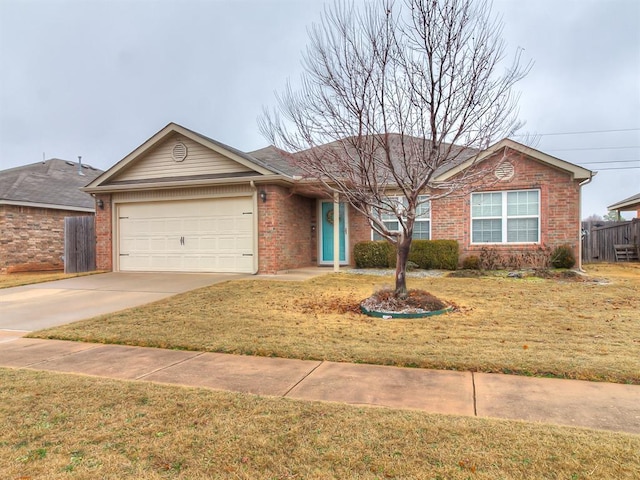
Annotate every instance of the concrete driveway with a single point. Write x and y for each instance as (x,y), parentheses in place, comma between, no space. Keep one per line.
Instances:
(33,307)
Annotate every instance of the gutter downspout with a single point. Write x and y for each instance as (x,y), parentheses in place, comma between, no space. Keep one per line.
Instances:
(586,182)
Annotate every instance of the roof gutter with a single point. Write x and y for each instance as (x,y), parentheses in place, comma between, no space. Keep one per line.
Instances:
(258,179)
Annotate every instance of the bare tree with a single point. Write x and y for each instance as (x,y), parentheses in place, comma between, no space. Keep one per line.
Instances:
(392,95)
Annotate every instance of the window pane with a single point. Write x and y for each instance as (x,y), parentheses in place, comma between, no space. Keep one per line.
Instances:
(387,216)
(423,211)
(486,231)
(486,205)
(421,230)
(522,203)
(397,203)
(392,226)
(522,230)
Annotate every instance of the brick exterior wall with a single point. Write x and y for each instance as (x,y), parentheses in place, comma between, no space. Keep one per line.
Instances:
(32,239)
(559,209)
(104,233)
(288,225)
(285,236)
(359,230)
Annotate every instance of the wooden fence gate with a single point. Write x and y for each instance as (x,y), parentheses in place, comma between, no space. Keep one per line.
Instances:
(600,238)
(79,244)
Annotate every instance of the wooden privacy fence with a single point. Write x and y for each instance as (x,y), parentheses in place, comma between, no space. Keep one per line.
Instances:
(79,244)
(599,239)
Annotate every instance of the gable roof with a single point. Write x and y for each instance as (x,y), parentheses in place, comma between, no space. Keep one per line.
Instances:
(631,203)
(257,167)
(53,183)
(271,164)
(577,172)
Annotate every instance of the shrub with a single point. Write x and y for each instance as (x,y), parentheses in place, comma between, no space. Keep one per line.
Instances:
(373,254)
(438,254)
(563,257)
(426,254)
(472,262)
(431,254)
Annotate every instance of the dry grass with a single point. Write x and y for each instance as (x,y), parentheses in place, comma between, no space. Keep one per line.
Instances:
(58,426)
(582,330)
(18,279)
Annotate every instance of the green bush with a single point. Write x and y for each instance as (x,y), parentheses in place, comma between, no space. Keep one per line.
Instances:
(430,254)
(563,257)
(472,262)
(435,254)
(374,254)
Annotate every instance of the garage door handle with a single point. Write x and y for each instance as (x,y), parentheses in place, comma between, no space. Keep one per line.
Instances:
(181,240)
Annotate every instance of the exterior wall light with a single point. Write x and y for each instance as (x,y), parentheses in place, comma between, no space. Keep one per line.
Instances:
(100,204)
(263,196)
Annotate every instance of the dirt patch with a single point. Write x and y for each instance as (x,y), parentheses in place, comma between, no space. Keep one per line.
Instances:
(329,305)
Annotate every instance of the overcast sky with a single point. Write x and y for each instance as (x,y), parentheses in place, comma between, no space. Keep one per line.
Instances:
(98,78)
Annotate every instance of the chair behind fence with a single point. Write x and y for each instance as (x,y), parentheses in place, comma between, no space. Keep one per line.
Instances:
(599,239)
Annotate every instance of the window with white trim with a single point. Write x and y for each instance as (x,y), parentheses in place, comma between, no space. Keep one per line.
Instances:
(421,226)
(505,217)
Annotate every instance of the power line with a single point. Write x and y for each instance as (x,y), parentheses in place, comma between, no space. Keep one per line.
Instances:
(610,161)
(576,133)
(618,168)
(590,148)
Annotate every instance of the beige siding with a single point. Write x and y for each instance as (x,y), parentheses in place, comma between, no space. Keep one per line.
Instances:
(184,193)
(159,163)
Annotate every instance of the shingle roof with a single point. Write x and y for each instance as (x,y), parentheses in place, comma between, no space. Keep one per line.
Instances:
(276,159)
(631,203)
(285,162)
(53,182)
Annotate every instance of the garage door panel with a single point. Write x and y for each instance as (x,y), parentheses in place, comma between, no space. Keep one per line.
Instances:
(212,235)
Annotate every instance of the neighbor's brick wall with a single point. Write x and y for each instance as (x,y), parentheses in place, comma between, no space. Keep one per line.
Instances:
(104,234)
(32,239)
(285,236)
(559,209)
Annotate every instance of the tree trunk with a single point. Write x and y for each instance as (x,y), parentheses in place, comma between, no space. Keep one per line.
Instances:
(404,244)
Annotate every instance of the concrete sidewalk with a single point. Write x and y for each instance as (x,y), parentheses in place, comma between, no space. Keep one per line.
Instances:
(565,402)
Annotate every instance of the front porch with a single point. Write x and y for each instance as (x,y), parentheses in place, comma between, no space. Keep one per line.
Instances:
(304,229)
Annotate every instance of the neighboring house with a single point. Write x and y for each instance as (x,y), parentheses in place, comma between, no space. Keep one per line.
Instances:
(184,202)
(34,199)
(631,204)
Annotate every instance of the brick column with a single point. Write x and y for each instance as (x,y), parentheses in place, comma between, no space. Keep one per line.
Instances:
(104,233)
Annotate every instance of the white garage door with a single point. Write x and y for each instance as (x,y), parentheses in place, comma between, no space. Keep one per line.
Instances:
(207,235)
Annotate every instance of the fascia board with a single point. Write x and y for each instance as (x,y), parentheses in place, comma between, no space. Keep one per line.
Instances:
(259,179)
(577,172)
(50,206)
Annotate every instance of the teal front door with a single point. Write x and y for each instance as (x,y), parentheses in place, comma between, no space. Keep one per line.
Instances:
(326,233)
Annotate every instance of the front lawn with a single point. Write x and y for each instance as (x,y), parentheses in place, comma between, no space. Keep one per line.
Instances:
(58,426)
(28,278)
(586,330)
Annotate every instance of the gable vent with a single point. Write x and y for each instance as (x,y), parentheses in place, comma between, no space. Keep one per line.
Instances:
(179,152)
(504,171)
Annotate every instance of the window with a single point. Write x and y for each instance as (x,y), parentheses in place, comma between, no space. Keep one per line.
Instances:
(422,225)
(505,217)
